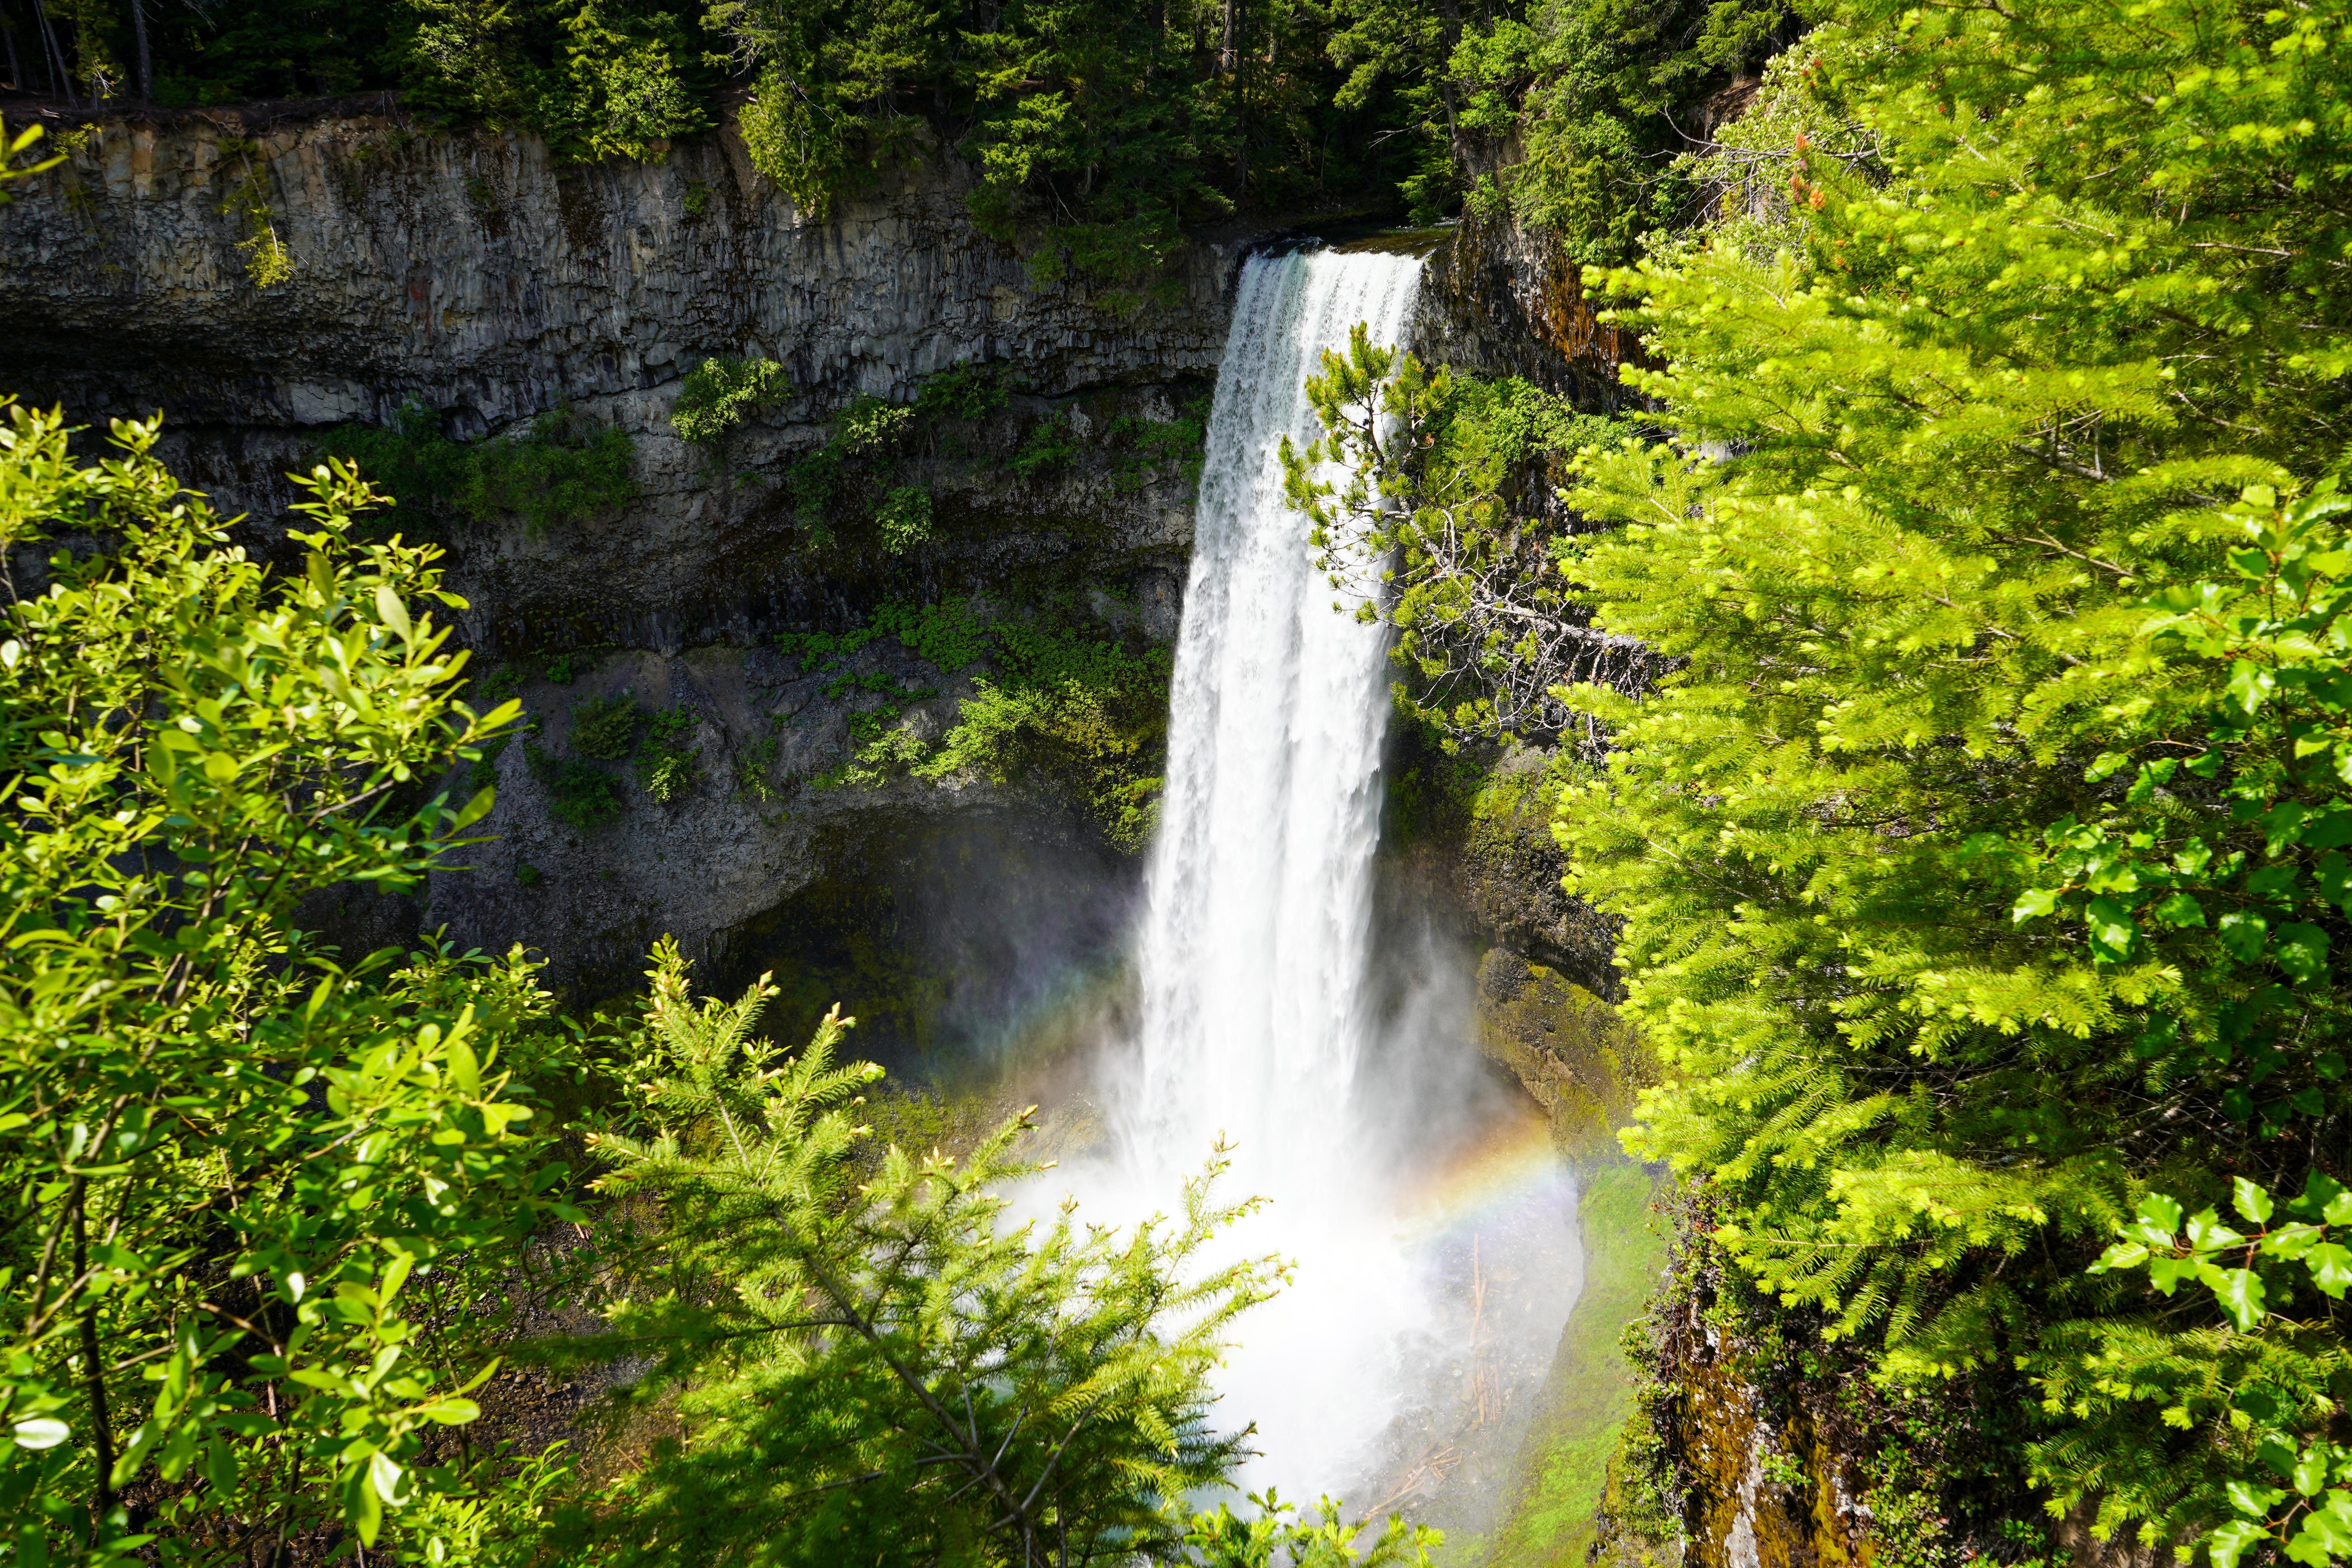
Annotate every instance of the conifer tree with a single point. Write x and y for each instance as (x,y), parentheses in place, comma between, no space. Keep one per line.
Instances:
(872,1362)
(1980,853)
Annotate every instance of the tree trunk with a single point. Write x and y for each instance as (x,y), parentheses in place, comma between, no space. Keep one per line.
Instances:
(64,81)
(138,37)
(1233,57)
(16,83)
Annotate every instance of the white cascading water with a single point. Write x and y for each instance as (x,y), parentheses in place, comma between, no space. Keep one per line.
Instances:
(1257,943)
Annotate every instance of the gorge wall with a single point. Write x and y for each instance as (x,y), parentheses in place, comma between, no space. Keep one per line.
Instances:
(468,275)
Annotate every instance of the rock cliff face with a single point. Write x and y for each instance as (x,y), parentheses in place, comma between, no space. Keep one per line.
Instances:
(1500,299)
(468,270)
(468,275)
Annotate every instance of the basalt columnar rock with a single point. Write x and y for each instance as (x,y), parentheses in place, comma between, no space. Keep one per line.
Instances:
(467,275)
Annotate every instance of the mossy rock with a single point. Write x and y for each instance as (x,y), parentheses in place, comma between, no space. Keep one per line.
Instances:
(1580,1058)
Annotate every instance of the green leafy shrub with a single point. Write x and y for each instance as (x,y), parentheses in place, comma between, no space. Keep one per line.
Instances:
(1152,447)
(268,262)
(1060,699)
(1049,443)
(558,470)
(965,390)
(721,394)
(868,424)
(903,520)
(605,727)
(666,764)
(244,1179)
(753,765)
(578,794)
(947,635)
(1069,703)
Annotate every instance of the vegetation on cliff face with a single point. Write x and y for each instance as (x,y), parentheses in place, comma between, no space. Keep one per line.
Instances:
(557,469)
(1054,696)
(1981,850)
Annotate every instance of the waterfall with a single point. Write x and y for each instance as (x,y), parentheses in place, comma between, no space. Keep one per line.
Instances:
(1430,1222)
(1255,945)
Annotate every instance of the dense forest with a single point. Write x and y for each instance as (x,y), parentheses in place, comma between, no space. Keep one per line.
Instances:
(1939,663)
(1111,125)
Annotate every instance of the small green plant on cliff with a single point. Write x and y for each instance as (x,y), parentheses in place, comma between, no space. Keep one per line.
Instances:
(578,794)
(605,727)
(1059,698)
(1069,703)
(721,394)
(559,469)
(754,764)
(903,522)
(667,766)
(1150,448)
(266,260)
(856,470)
(965,390)
(1049,443)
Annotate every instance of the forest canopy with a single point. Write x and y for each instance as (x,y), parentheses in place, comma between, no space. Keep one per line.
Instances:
(1108,124)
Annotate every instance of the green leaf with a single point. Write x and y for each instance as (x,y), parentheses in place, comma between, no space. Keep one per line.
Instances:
(2250,1200)
(385,1477)
(2242,934)
(475,809)
(2331,1267)
(2325,1535)
(2240,1291)
(2229,1541)
(2111,928)
(2302,951)
(2254,1501)
(2032,904)
(363,1508)
(41,1432)
(393,613)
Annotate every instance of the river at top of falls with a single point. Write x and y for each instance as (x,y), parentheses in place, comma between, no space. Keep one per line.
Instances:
(1385,1153)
